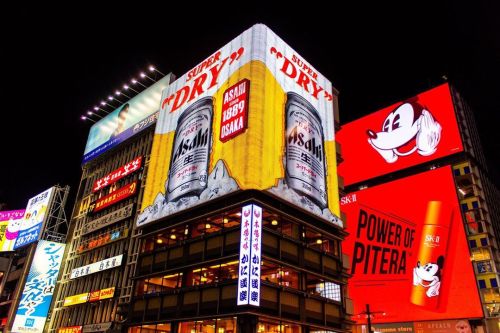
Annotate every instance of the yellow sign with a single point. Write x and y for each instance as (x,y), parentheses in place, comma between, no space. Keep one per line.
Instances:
(254,115)
(76,299)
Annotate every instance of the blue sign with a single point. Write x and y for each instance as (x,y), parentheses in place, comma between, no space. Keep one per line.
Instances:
(34,218)
(39,288)
(137,114)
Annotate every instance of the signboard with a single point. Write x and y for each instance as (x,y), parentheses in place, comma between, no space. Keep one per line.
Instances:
(76,299)
(250,256)
(117,174)
(217,134)
(415,131)
(39,288)
(10,223)
(408,250)
(97,267)
(70,329)
(102,327)
(34,218)
(127,120)
(108,219)
(116,196)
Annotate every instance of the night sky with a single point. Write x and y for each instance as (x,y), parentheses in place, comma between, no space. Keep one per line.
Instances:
(57,66)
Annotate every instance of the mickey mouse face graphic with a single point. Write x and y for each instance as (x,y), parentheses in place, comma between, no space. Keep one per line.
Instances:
(408,128)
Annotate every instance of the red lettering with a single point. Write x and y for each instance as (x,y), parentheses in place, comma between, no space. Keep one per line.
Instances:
(286,65)
(316,89)
(180,98)
(303,80)
(197,88)
(215,73)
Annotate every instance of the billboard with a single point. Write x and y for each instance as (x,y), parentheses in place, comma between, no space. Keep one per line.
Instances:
(114,197)
(137,114)
(253,115)
(436,326)
(36,213)
(10,223)
(415,131)
(39,288)
(117,174)
(408,250)
(97,267)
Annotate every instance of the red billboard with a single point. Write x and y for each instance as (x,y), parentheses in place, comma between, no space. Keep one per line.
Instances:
(409,255)
(117,174)
(115,196)
(414,131)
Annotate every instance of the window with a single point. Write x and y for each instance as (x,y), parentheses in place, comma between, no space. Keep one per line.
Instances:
(472,243)
(494,283)
(475,204)
(482,284)
(456,172)
(465,207)
(484,241)
(466,170)
(221,325)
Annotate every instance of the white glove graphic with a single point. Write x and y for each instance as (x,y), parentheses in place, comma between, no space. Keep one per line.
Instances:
(429,134)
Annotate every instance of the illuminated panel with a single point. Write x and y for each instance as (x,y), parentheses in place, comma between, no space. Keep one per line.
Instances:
(108,219)
(409,255)
(250,256)
(34,218)
(127,120)
(117,174)
(76,299)
(70,329)
(96,267)
(39,287)
(408,133)
(253,115)
(115,196)
(10,223)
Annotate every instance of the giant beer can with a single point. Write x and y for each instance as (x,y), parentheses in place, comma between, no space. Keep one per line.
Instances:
(188,172)
(305,154)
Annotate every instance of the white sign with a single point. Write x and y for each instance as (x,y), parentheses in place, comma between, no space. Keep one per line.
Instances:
(108,219)
(250,256)
(97,267)
(103,327)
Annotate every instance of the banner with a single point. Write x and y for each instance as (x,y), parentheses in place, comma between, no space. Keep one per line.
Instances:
(34,218)
(108,219)
(10,223)
(127,120)
(114,197)
(39,287)
(253,115)
(97,267)
(117,174)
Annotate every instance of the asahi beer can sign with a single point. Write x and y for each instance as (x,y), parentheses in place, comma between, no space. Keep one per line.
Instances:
(252,115)
(305,160)
(189,163)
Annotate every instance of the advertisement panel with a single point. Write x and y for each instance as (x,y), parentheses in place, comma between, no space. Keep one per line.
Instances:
(108,219)
(253,115)
(39,288)
(102,327)
(34,218)
(70,329)
(96,267)
(408,250)
(117,174)
(127,120)
(10,223)
(418,130)
(114,197)
(76,299)
(436,326)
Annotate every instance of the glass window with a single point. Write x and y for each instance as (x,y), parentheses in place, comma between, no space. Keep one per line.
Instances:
(475,204)
(466,170)
(484,241)
(456,172)
(313,239)
(331,246)
(494,283)
(228,271)
(472,243)
(482,284)
(271,221)
(281,275)
(465,207)
(290,229)
(269,272)
(158,284)
(277,327)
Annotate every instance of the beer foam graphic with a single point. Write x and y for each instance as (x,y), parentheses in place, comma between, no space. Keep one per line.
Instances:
(219,183)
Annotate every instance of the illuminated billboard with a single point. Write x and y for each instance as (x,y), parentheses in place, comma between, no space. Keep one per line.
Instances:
(114,197)
(10,223)
(408,250)
(415,131)
(36,213)
(137,114)
(117,174)
(99,266)
(253,115)
(39,288)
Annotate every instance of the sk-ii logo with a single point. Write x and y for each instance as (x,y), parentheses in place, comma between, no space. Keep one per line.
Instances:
(407,129)
(431,240)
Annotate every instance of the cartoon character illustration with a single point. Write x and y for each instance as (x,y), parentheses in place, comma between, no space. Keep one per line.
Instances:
(408,128)
(11,233)
(429,276)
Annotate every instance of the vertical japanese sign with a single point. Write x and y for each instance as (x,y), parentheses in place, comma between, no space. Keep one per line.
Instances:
(39,288)
(34,218)
(250,256)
